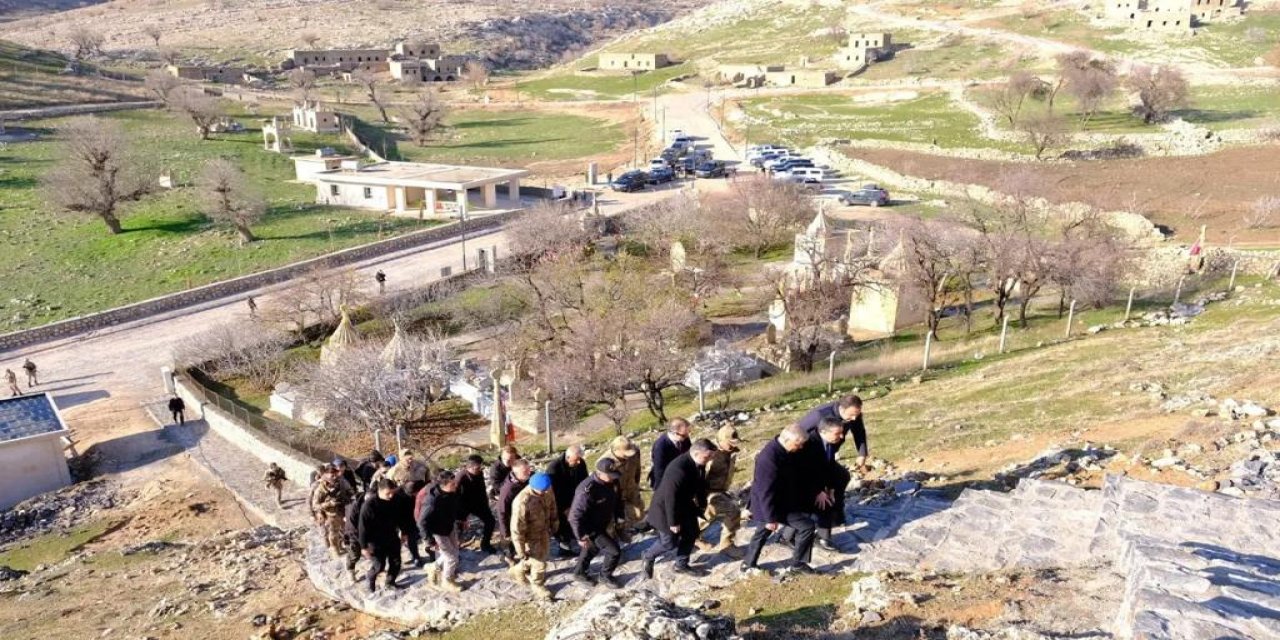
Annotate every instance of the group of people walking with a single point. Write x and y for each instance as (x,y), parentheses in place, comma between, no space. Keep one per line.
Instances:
(11,378)
(592,511)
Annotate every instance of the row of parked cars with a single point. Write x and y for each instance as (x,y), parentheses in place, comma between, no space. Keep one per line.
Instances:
(784,164)
(682,158)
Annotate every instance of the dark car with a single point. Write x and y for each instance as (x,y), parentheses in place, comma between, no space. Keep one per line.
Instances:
(791,163)
(868,195)
(709,170)
(662,174)
(759,160)
(630,181)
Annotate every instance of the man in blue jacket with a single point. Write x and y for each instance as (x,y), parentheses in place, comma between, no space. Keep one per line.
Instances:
(779,499)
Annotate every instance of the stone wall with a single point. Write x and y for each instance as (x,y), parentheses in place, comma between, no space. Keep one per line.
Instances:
(237,286)
(75,110)
(297,466)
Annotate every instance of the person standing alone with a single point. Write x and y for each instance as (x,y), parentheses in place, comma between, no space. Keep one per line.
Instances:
(12,378)
(178,408)
(30,368)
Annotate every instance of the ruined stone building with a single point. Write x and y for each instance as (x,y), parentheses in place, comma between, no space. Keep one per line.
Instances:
(315,117)
(863,49)
(633,61)
(200,73)
(407,62)
(1168,16)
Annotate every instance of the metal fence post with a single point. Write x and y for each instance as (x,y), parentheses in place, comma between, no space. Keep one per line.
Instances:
(1071,315)
(1128,308)
(1004,331)
(831,371)
(928,345)
(546,416)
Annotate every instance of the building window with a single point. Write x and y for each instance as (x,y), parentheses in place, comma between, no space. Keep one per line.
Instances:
(368,193)
(333,190)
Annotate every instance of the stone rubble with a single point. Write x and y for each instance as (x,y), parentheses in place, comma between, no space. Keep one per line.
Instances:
(958,632)
(62,509)
(640,615)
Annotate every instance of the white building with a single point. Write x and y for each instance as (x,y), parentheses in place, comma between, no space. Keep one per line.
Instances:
(315,117)
(407,187)
(31,448)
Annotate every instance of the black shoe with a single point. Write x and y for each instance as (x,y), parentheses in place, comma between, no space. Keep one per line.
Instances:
(648,568)
(394,585)
(611,582)
(584,579)
(828,545)
(488,549)
(419,563)
(686,570)
(565,552)
(804,569)
(643,527)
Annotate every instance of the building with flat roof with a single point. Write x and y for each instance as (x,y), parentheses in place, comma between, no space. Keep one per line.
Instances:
(406,187)
(633,61)
(31,448)
(315,117)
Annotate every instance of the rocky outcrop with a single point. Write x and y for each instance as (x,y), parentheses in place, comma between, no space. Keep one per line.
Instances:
(640,615)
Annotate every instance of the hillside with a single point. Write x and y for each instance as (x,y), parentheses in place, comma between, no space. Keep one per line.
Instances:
(258,31)
(31,77)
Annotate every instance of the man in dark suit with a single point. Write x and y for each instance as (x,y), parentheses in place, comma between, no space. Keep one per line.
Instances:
(778,501)
(567,472)
(848,410)
(827,478)
(675,508)
(668,447)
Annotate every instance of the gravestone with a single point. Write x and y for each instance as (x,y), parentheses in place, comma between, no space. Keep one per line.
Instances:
(679,259)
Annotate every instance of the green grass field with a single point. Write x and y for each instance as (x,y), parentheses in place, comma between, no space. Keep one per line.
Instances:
(802,119)
(956,57)
(508,137)
(1212,107)
(570,84)
(60,265)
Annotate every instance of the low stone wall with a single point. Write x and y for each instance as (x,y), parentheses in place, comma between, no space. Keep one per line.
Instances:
(236,286)
(297,466)
(74,110)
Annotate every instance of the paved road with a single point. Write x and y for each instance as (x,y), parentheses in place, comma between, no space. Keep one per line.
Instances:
(102,380)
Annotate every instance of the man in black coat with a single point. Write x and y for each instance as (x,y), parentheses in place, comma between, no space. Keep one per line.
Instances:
(827,478)
(675,508)
(518,479)
(668,447)
(501,469)
(567,472)
(597,506)
(366,469)
(438,522)
(475,502)
(404,499)
(777,499)
(848,410)
(351,530)
(381,534)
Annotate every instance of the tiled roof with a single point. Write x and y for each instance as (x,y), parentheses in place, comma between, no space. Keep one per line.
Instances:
(26,416)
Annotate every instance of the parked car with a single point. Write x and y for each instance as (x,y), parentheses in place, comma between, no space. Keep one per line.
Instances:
(755,151)
(711,169)
(869,195)
(658,163)
(661,174)
(807,173)
(761,159)
(630,181)
(787,164)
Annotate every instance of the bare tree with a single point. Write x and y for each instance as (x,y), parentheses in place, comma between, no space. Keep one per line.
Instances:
(203,110)
(170,55)
(759,214)
(154,32)
(1068,64)
(371,84)
(1160,90)
(236,351)
(1045,132)
(229,198)
(316,297)
(424,116)
(477,72)
(303,83)
(546,231)
(930,254)
(1012,95)
(811,314)
(1087,259)
(1091,83)
(309,38)
(85,41)
(1264,213)
(95,173)
(162,85)
(365,388)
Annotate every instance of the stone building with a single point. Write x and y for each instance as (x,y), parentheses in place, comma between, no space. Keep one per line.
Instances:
(32,439)
(811,78)
(751,75)
(443,69)
(315,117)
(335,60)
(633,61)
(1168,16)
(863,49)
(199,73)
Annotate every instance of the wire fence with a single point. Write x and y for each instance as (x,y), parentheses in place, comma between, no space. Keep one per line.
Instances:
(300,439)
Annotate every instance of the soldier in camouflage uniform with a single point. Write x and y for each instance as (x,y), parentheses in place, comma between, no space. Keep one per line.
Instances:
(534,519)
(720,504)
(329,500)
(626,458)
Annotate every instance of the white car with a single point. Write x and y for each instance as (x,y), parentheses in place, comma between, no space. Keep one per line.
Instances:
(658,163)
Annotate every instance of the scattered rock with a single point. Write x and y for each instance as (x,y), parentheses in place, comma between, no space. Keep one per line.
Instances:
(641,615)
